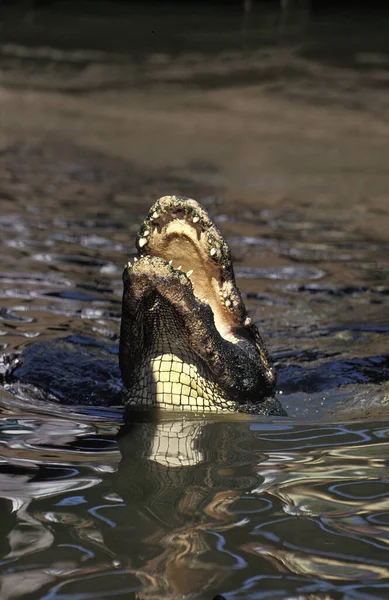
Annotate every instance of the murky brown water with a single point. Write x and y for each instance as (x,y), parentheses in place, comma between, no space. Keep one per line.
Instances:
(294,167)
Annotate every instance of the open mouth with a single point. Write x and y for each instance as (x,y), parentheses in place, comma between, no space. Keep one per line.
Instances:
(180,232)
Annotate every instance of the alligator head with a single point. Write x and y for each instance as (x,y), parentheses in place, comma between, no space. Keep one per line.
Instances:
(186,340)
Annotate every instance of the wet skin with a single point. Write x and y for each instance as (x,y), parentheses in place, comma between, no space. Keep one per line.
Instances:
(186,340)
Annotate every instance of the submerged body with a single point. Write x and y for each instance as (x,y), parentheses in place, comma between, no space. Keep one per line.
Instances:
(186,340)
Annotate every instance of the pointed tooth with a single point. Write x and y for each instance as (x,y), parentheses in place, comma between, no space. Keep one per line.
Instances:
(179,268)
(228,303)
(247,321)
(170,262)
(213,251)
(129,265)
(142,242)
(135,259)
(146,233)
(196,219)
(189,273)
(155,215)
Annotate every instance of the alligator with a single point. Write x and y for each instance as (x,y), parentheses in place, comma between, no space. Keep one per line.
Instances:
(186,340)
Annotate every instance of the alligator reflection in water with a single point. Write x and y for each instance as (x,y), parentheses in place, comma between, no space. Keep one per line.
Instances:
(193,507)
(182,501)
(162,481)
(197,484)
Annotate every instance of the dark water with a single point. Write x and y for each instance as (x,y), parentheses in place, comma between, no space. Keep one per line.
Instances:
(92,507)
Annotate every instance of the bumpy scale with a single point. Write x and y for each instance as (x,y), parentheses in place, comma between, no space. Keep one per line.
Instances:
(186,341)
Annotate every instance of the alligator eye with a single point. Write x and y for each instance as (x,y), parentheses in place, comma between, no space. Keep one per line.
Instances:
(245,333)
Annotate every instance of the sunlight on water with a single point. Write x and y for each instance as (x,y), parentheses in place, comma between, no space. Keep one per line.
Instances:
(278,126)
(242,506)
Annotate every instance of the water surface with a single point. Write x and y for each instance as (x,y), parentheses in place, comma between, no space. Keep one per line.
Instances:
(293,166)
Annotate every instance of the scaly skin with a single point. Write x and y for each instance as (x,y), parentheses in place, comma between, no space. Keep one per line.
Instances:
(186,340)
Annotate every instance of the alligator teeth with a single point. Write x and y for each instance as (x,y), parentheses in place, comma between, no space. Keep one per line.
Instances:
(170,262)
(189,273)
(179,268)
(129,265)
(196,219)
(213,251)
(155,215)
(228,303)
(146,232)
(142,242)
(247,322)
(135,259)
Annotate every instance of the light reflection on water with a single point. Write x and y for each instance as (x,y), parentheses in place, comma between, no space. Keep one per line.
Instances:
(290,508)
(192,507)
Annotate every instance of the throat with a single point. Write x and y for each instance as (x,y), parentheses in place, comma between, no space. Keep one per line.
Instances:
(175,383)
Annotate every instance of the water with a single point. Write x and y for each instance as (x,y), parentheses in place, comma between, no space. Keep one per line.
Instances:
(277,123)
